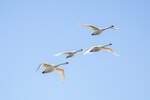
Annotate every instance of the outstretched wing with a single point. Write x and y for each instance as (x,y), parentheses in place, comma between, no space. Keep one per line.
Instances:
(43,65)
(110,50)
(61,53)
(90,26)
(38,67)
(62,74)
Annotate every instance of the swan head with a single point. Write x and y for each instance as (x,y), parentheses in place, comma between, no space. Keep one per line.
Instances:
(110,43)
(67,63)
(112,27)
(81,50)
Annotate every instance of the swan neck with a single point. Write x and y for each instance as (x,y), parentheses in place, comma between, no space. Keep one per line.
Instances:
(107,45)
(60,64)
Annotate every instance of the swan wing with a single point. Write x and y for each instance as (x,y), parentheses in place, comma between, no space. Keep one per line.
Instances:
(42,65)
(38,67)
(61,53)
(111,51)
(58,54)
(91,27)
(62,74)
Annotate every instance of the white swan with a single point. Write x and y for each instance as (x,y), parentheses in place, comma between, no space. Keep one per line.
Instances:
(51,68)
(69,53)
(98,31)
(99,48)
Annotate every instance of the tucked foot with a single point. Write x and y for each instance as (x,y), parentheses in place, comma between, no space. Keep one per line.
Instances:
(43,72)
(68,57)
(92,51)
(93,34)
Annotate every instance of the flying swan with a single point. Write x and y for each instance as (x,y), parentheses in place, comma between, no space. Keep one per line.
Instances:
(52,68)
(99,48)
(69,53)
(98,31)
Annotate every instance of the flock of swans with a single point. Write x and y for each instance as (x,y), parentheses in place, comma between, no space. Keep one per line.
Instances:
(69,54)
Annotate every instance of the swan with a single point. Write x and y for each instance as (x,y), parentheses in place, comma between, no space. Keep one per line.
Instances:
(99,48)
(69,53)
(98,31)
(52,68)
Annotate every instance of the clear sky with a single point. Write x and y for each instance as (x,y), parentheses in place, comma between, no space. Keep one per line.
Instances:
(32,31)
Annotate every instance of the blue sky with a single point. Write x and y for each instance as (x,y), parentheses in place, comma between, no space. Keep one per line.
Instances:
(32,31)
